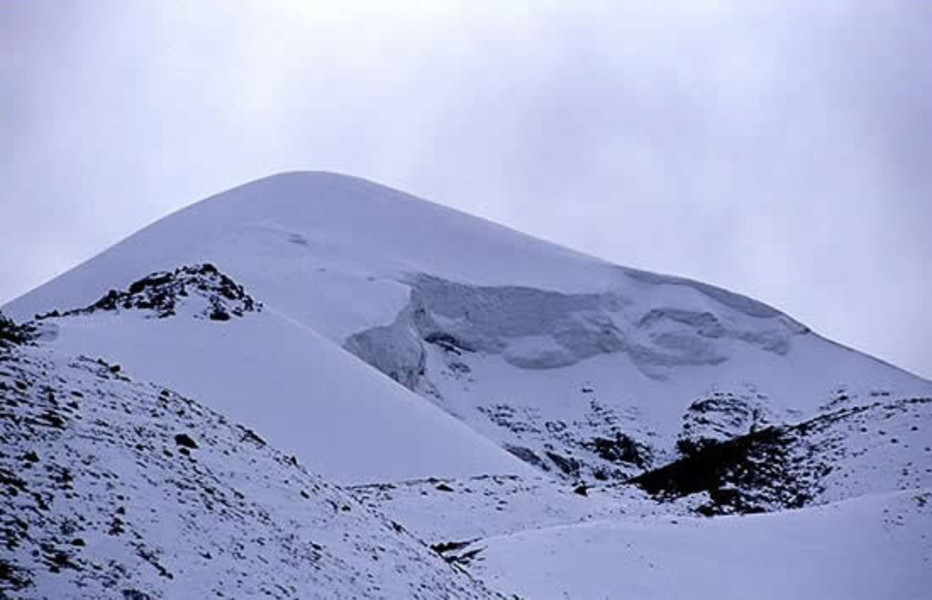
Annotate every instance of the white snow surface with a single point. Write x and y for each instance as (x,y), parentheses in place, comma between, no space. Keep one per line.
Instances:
(862,549)
(463,379)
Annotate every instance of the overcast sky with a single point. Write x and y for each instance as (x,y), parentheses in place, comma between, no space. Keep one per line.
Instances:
(777,148)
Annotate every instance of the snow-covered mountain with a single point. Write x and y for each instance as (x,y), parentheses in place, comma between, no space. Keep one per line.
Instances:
(486,389)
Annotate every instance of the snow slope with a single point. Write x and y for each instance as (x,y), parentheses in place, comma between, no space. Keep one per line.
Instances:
(316,401)
(867,548)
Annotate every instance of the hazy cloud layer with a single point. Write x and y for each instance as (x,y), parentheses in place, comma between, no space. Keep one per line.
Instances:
(775,148)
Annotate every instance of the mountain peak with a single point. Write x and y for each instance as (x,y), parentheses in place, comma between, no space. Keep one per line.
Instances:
(483,389)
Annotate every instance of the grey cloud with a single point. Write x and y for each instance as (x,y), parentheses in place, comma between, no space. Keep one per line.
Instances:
(775,148)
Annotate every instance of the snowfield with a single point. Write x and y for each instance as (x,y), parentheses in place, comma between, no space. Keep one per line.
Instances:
(870,547)
(500,415)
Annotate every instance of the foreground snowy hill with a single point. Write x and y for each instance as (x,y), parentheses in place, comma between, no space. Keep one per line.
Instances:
(113,488)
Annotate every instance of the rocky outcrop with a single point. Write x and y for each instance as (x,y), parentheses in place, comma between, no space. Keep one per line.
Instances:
(719,417)
(836,455)
(13,334)
(209,293)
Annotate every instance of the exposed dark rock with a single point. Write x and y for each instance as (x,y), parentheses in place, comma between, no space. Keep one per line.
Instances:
(735,473)
(185,441)
(450,552)
(12,334)
(218,314)
(442,547)
(528,456)
(621,448)
(448,342)
(768,469)
(252,437)
(13,577)
(569,466)
(162,292)
(599,448)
